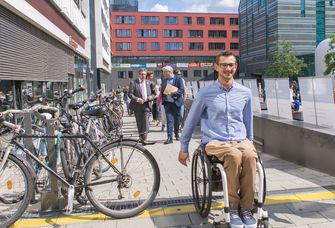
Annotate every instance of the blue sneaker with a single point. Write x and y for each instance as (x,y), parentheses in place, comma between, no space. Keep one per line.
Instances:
(248,220)
(235,220)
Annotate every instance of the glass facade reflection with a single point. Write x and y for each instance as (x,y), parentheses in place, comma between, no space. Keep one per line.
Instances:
(124,5)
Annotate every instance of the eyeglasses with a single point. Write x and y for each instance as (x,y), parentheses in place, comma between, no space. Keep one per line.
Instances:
(225,65)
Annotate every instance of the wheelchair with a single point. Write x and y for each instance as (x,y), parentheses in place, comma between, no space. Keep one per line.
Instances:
(208,176)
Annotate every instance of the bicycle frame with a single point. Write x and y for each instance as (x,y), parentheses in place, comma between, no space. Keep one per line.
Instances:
(78,167)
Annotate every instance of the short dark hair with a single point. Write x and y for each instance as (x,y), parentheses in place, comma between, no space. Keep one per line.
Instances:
(225,54)
(177,72)
(149,73)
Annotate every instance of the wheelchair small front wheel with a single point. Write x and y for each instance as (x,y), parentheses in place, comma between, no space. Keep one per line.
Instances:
(201,183)
(263,223)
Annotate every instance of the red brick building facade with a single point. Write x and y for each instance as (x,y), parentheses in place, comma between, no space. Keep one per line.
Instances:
(187,41)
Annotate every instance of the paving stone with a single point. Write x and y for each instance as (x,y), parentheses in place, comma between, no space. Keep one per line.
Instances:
(172,220)
(323,225)
(307,218)
(143,222)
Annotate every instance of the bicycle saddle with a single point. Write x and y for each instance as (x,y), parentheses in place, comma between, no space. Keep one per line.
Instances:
(97,111)
(76,106)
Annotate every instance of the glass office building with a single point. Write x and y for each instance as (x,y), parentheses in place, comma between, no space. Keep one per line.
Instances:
(304,23)
(124,5)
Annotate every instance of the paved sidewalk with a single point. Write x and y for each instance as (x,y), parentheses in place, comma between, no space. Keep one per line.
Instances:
(296,196)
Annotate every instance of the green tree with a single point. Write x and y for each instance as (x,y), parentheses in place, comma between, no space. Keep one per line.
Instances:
(284,62)
(330,57)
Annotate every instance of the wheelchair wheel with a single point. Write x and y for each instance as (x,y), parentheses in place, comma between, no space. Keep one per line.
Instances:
(201,183)
(264,179)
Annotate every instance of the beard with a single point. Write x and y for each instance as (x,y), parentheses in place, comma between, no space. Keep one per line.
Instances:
(226,76)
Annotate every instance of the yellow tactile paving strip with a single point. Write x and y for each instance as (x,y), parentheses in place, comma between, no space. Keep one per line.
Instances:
(169,210)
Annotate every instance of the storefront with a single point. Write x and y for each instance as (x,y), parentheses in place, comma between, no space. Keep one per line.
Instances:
(32,63)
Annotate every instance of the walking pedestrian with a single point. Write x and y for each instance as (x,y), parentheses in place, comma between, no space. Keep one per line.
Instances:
(141,96)
(172,101)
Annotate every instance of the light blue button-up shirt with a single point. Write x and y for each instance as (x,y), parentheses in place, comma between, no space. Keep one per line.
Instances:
(225,114)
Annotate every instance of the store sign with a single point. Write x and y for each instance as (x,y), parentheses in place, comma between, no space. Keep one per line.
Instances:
(173,65)
(73,43)
(151,65)
(206,64)
(182,64)
(125,65)
(193,65)
(116,65)
(138,65)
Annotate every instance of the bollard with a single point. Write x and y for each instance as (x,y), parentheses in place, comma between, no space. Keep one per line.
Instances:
(51,198)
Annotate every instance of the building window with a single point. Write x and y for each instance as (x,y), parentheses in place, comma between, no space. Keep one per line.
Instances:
(169,20)
(195,33)
(217,33)
(196,46)
(187,20)
(141,46)
(205,73)
(173,46)
(217,21)
(173,33)
(233,21)
(122,74)
(302,8)
(123,33)
(197,73)
(216,46)
(155,46)
(200,20)
(130,74)
(184,73)
(150,20)
(320,21)
(233,46)
(234,34)
(147,33)
(123,46)
(260,3)
(331,2)
(125,19)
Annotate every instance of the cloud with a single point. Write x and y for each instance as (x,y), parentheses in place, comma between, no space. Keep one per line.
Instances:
(229,3)
(160,8)
(198,8)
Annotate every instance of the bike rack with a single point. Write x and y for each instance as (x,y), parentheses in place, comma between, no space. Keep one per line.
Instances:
(51,198)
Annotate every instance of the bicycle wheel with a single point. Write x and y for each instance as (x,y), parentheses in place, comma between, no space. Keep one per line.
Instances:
(127,194)
(201,183)
(16,190)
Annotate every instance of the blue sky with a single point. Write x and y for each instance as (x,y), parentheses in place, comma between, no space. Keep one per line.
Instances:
(199,6)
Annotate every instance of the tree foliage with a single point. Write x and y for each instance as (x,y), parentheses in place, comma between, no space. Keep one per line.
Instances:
(330,57)
(284,62)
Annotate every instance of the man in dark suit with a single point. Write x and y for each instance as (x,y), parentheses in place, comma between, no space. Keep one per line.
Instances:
(140,93)
(172,102)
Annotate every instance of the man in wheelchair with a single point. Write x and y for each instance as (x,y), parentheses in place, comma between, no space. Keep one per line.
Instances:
(225,111)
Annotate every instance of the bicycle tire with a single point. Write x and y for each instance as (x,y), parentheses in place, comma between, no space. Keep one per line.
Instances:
(117,207)
(68,160)
(5,219)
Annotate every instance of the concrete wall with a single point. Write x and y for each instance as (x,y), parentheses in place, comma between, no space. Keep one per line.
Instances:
(297,142)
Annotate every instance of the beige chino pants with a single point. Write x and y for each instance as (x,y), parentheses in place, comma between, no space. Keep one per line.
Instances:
(240,166)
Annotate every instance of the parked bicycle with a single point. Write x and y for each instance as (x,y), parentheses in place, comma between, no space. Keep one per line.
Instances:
(126,186)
